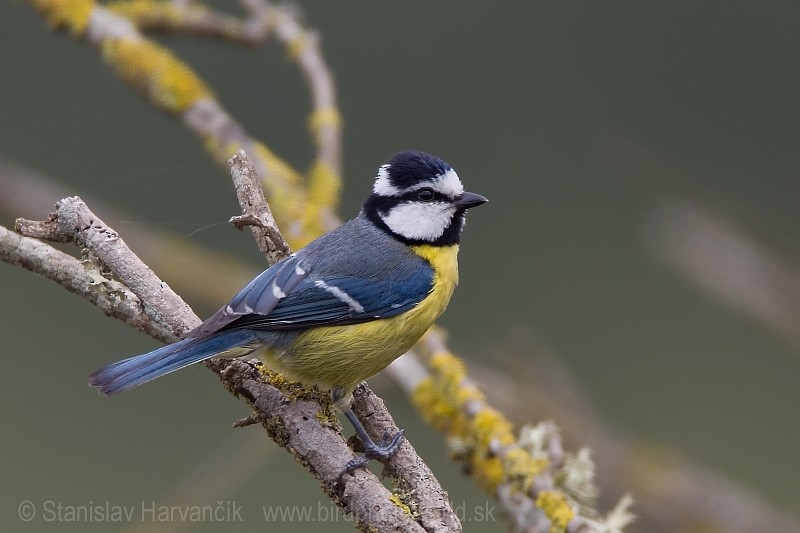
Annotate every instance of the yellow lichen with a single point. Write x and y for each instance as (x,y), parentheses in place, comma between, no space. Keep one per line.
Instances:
(398,501)
(491,427)
(73,15)
(464,395)
(170,16)
(521,468)
(327,417)
(323,186)
(436,411)
(487,471)
(448,366)
(292,389)
(155,72)
(480,436)
(323,196)
(555,506)
(296,46)
(485,430)
(324,118)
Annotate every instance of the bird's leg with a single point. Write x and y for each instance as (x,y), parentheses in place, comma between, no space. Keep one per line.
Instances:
(388,445)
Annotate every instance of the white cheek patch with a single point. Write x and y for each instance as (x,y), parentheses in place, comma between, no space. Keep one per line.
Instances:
(419,221)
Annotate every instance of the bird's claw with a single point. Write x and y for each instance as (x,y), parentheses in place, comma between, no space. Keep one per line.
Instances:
(386,448)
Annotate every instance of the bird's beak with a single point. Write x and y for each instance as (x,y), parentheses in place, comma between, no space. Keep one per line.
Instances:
(470,199)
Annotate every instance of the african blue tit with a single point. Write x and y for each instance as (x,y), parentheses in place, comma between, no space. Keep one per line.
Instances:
(341,309)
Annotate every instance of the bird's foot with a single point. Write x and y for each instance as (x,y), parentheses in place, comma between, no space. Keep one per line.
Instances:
(387,447)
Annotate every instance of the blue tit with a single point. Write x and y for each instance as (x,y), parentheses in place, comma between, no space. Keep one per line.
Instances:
(341,309)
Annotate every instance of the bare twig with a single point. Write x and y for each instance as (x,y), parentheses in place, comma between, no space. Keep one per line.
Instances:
(255,210)
(249,420)
(185,17)
(74,222)
(83,278)
(193,271)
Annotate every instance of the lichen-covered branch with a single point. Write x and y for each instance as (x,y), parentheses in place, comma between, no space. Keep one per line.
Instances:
(172,86)
(541,486)
(295,424)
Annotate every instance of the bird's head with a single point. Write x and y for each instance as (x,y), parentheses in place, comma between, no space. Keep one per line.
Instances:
(419,199)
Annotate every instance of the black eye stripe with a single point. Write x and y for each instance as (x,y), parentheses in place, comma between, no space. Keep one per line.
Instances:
(413,196)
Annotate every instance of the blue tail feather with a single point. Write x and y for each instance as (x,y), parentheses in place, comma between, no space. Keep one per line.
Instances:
(129,373)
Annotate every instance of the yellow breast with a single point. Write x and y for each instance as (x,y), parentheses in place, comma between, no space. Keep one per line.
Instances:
(444,260)
(343,356)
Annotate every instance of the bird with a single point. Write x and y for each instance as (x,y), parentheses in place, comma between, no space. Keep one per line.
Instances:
(339,310)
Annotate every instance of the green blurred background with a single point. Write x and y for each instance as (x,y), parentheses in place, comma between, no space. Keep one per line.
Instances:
(583,122)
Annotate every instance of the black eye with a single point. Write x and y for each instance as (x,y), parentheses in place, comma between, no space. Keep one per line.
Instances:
(425,195)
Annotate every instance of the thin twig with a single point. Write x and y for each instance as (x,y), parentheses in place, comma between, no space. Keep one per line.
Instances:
(185,17)
(74,222)
(255,210)
(249,420)
(83,278)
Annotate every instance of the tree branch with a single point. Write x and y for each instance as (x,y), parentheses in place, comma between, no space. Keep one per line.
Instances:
(74,222)
(293,422)
(255,210)
(415,480)
(82,277)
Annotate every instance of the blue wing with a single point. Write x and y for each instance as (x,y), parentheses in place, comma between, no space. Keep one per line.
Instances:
(292,295)
(259,296)
(340,301)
